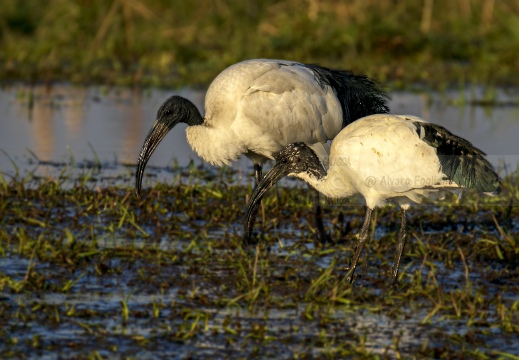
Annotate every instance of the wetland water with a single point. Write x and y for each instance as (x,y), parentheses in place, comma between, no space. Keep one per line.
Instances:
(60,124)
(79,279)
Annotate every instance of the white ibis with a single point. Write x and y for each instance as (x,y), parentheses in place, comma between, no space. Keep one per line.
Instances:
(385,157)
(257,107)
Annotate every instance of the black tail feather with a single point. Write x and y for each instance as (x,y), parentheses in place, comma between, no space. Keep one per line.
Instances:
(460,161)
(359,95)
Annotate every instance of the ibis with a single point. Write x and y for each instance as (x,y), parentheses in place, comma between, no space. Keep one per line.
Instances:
(256,107)
(384,158)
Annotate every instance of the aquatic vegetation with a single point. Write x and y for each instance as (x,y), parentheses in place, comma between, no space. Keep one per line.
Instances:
(96,270)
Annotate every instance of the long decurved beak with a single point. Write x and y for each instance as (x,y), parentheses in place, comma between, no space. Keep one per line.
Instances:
(155,136)
(277,172)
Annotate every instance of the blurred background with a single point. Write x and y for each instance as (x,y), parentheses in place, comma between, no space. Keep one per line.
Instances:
(176,42)
(83,79)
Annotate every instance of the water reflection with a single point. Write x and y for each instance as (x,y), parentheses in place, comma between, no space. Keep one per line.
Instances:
(63,121)
(41,116)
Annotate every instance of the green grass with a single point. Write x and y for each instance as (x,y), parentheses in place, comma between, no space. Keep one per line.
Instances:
(173,43)
(167,273)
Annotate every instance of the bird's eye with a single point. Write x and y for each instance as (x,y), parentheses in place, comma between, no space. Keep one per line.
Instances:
(284,160)
(168,112)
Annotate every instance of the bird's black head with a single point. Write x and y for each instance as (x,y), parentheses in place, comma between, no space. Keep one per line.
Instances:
(299,158)
(174,110)
(295,159)
(177,109)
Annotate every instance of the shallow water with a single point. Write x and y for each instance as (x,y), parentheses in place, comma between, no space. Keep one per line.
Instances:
(47,129)
(44,128)
(96,322)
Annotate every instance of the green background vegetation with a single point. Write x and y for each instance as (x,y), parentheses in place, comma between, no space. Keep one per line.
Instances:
(178,42)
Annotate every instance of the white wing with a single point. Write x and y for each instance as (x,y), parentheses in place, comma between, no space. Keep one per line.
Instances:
(293,106)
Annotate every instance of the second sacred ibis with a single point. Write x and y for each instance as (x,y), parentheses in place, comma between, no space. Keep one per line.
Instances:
(385,157)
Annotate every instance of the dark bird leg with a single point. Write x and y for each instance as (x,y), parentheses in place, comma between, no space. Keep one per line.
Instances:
(247,237)
(321,235)
(400,247)
(257,173)
(363,236)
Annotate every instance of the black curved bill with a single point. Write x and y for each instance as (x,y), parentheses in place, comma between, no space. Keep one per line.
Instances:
(277,172)
(155,136)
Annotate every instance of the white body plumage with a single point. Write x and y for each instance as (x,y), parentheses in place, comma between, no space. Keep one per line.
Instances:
(257,107)
(383,157)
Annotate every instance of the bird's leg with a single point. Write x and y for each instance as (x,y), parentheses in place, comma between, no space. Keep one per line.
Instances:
(247,238)
(257,173)
(363,236)
(400,247)
(322,237)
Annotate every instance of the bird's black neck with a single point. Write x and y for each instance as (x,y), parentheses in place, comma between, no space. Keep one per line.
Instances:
(193,117)
(318,171)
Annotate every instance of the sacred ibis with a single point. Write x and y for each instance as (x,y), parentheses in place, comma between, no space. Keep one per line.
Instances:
(257,107)
(385,157)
